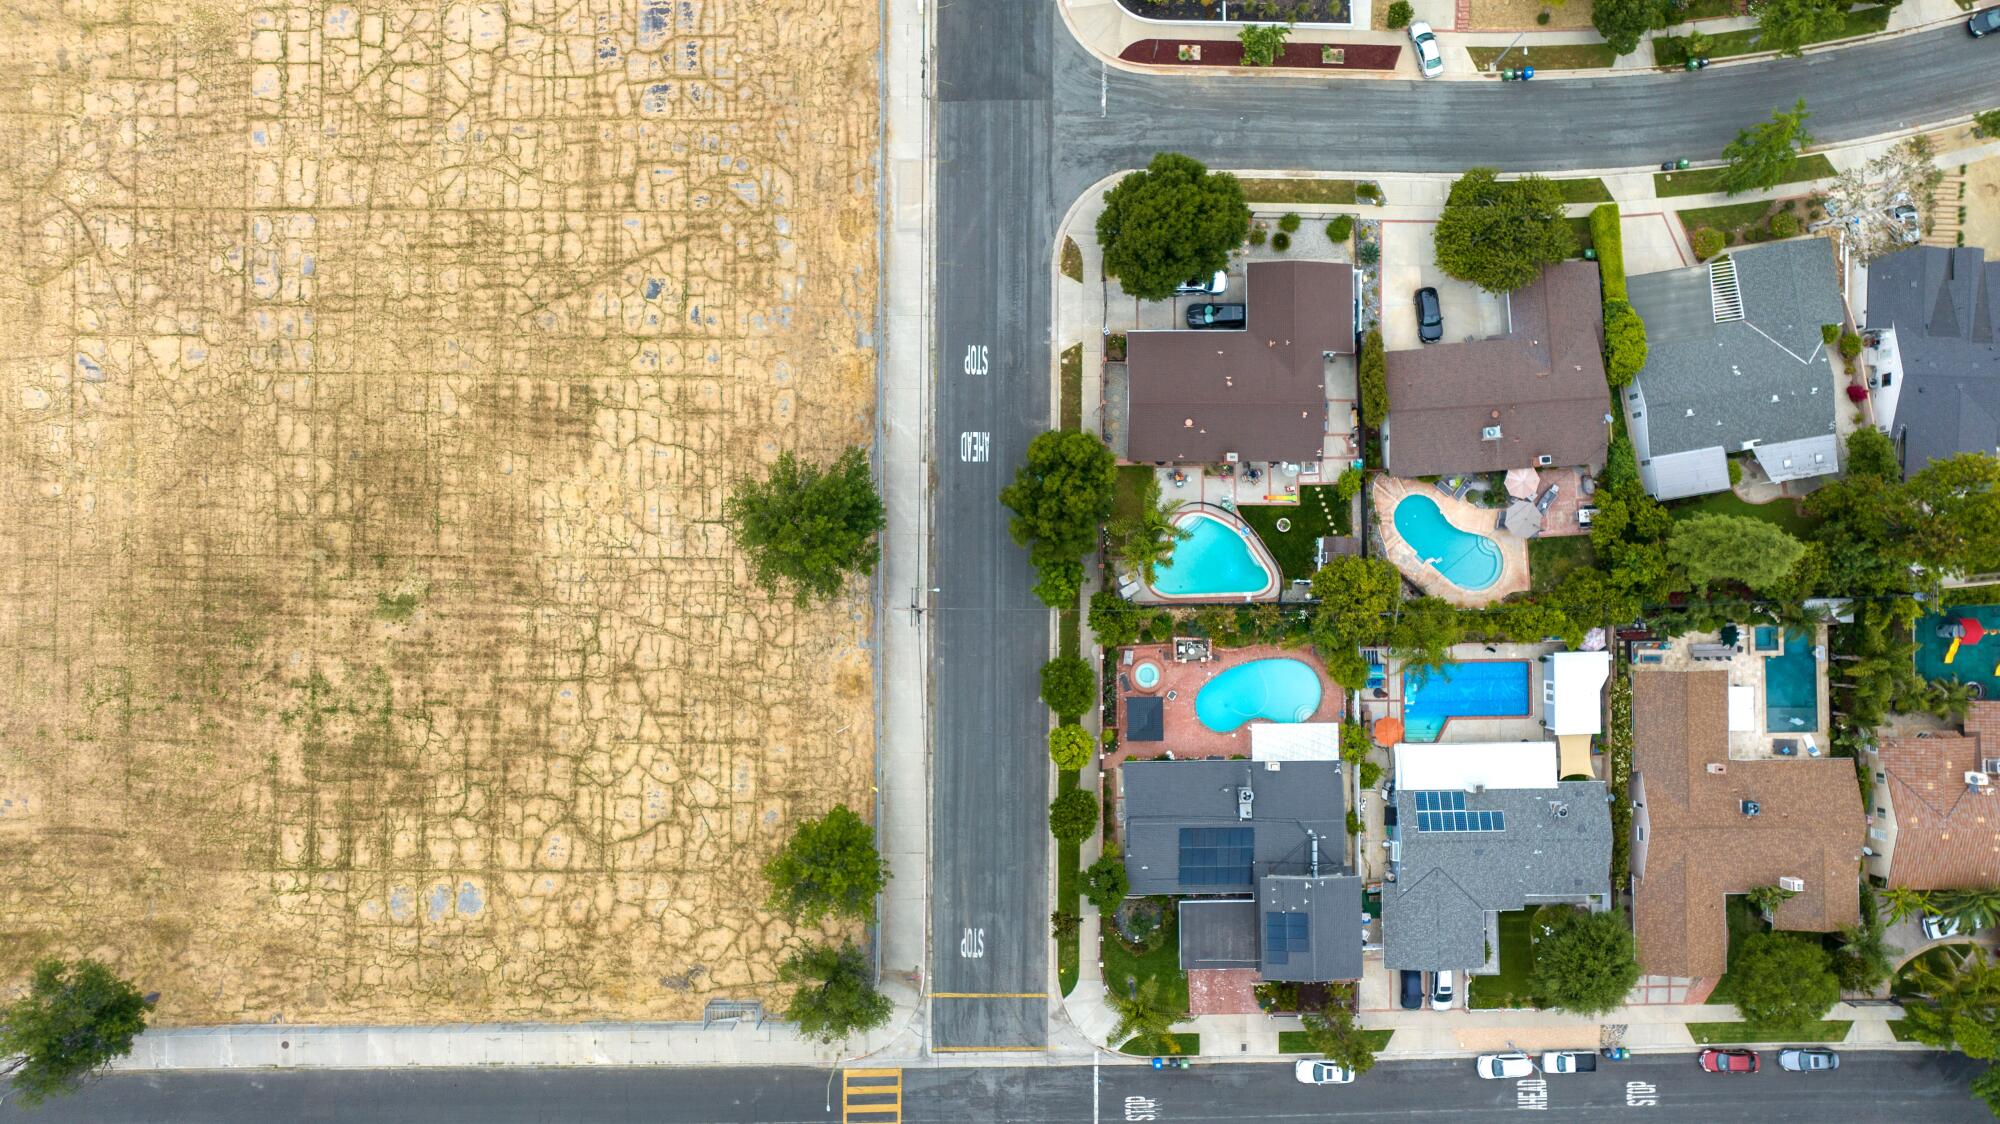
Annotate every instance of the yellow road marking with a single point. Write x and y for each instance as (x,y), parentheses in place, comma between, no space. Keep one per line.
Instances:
(871,1096)
(989,995)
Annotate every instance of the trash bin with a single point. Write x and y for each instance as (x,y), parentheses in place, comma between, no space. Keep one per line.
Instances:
(1527,72)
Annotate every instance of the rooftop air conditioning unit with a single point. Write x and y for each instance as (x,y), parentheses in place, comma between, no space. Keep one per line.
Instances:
(1751,807)
(1489,433)
(1795,885)
(1544,460)
(1990,765)
(1245,797)
(1976,779)
(1230,457)
(1717,768)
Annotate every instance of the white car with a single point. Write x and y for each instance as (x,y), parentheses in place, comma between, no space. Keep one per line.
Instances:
(1443,993)
(1939,928)
(1496,1067)
(1322,1073)
(1430,59)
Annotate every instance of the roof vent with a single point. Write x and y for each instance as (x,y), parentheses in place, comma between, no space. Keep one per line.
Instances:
(1489,433)
(1544,460)
(1560,809)
(1795,885)
(1751,807)
(1244,798)
(1272,766)
(1717,768)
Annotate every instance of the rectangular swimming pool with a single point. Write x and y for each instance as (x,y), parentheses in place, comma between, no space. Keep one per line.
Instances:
(1791,688)
(1433,696)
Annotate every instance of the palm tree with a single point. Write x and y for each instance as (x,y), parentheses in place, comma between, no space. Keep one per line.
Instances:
(1905,903)
(1949,699)
(1865,959)
(1144,540)
(1146,1019)
(1973,908)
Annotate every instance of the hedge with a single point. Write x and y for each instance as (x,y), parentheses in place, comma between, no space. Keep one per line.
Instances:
(1624,342)
(1606,236)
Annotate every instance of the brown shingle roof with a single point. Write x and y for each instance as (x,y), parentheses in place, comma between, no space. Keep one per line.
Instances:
(1947,834)
(1259,393)
(1699,846)
(1542,384)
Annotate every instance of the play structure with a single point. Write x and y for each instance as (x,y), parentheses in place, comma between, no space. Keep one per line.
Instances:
(1961,631)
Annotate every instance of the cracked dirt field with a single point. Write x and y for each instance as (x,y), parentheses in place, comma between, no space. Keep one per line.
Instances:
(373,378)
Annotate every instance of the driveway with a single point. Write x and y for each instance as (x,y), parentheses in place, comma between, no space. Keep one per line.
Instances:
(1408,264)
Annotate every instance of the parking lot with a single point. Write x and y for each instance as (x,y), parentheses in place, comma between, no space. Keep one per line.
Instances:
(1408,264)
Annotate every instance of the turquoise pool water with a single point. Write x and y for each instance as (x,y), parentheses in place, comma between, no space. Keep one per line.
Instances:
(1973,663)
(1147,675)
(1791,688)
(1478,689)
(1213,561)
(1767,638)
(1274,690)
(1466,560)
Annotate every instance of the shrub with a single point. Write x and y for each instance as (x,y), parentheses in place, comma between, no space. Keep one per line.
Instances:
(1735,472)
(1987,124)
(1353,822)
(1606,235)
(1624,342)
(1371,774)
(1281,241)
(1542,17)
(1367,192)
(1073,816)
(1067,686)
(1340,229)
(1289,223)
(1784,224)
(1070,746)
(1829,334)
(1400,14)
(1106,884)
(1262,43)
(1374,380)
(1708,242)
(1850,346)
(1368,253)
(1349,485)
(1256,236)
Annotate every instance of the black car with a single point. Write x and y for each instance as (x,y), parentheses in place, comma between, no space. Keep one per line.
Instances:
(1984,23)
(1215,316)
(1413,989)
(1430,318)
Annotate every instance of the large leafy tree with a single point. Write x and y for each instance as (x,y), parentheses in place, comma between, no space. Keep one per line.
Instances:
(1355,594)
(1960,1004)
(809,526)
(1881,534)
(1784,980)
(1786,26)
(1068,686)
(1623,23)
(1145,1017)
(830,866)
(835,995)
(1060,495)
(1422,631)
(77,1016)
(1105,883)
(1587,964)
(1335,1034)
(1073,815)
(1761,155)
(1499,234)
(1171,222)
(1713,548)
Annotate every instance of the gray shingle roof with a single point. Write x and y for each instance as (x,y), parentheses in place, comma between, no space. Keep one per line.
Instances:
(1944,305)
(1763,378)
(1219,933)
(1331,909)
(1292,803)
(1433,915)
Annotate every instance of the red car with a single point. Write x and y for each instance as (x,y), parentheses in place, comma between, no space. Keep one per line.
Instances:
(1729,1061)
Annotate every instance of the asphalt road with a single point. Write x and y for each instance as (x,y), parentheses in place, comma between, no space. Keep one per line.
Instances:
(990,840)
(1665,1088)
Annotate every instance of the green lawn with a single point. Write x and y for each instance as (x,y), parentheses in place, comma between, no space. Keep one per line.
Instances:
(1728,217)
(1896,1028)
(1584,191)
(1671,51)
(1550,560)
(1162,960)
(1555,56)
(1718,1034)
(1580,226)
(1785,513)
(1129,490)
(1069,886)
(1317,514)
(1744,920)
(1707,9)
(1517,963)
(1700,181)
(1190,1045)
(1294,1041)
(1298,191)
(1072,386)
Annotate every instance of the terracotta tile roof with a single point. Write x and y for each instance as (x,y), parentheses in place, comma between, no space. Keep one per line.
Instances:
(1947,835)
(1700,846)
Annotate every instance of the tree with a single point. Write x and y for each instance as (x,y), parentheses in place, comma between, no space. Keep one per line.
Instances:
(1973,908)
(1058,582)
(835,997)
(77,1016)
(1073,815)
(1262,42)
(1423,631)
(1988,123)
(1060,496)
(1714,548)
(1354,595)
(1070,746)
(1785,26)
(1623,23)
(1068,685)
(1063,924)
(1498,235)
(1954,520)
(1105,883)
(1587,965)
(1335,1034)
(1871,453)
(1784,980)
(829,866)
(1173,221)
(1767,899)
(1624,342)
(1961,1001)
(1761,155)
(1115,620)
(1146,1018)
(1146,538)
(1905,903)
(1864,958)
(809,526)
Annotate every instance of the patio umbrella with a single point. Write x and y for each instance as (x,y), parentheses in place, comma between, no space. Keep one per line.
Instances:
(1524,519)
(1388,731)
(1523,483)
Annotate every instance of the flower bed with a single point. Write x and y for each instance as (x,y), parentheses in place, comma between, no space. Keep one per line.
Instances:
(1243,11)
(1228,52)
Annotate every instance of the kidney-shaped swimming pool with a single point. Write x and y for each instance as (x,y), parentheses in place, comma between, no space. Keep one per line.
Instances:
(1274,690)
(1466,560)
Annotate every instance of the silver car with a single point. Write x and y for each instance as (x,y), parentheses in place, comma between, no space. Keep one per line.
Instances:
(1813,1059)
(1430,59)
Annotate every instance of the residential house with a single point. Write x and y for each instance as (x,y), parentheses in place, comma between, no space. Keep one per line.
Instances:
(1462,852)
(1573,704)
(1258,395)
(1936,363)
(1735,363)
(1535,397)
(1936,816)
(1705,826)
(1256,850)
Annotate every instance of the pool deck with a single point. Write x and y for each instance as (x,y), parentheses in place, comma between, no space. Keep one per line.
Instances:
(1186,736)
(1746,669)
(1390,490)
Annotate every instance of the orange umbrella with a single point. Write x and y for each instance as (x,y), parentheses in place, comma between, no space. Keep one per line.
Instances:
(1388,731)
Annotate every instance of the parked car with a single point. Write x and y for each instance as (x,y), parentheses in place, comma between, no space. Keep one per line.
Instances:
(1442,992)
(1214,286)
(1729,1061)
(1413,990)
(1310,1072)
(1430,59)
(1812,1059)
(1568,1061)
(1548,497)
(1909,226)
(1495,1067)
(1984,23)
(1430,316)
(1941,928)
(1215,316)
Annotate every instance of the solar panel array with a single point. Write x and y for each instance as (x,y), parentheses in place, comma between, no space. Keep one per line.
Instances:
(1284,934)
(1216,856)
(1445,811)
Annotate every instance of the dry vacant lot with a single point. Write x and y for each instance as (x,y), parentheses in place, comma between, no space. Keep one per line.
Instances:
(373,378)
